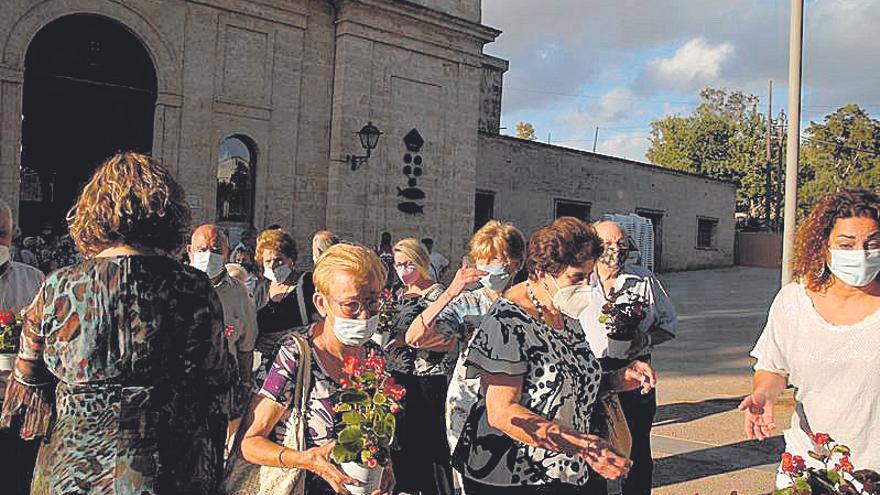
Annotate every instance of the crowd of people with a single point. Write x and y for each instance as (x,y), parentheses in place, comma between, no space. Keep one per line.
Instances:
(142,373)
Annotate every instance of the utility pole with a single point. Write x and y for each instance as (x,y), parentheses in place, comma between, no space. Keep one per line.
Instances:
(768,168)
(780,128)
(595,139)
(795,51)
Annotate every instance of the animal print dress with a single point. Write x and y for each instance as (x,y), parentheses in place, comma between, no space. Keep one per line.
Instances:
(127,355)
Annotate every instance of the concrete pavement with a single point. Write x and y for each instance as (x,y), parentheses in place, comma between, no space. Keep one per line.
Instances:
(698,442)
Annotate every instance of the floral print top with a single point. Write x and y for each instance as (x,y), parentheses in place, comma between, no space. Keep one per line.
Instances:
(280,386)
(124,369)
(561,379)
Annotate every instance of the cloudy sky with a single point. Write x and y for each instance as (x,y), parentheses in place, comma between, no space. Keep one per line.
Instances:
(618,64)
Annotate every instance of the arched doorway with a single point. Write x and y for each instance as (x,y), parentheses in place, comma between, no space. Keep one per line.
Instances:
(89,91)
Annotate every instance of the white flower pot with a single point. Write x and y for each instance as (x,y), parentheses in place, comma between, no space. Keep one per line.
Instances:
(381,339)
(617,348)
(7,361)
(370,478)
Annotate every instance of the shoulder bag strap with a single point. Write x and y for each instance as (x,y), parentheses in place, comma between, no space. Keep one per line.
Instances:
(301,300)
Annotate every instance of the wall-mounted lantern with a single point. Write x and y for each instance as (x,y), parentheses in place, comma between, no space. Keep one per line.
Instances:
(369,137)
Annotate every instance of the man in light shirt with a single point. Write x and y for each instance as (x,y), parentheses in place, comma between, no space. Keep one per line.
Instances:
(208,251)
(19,284)
(613,273)
(439,263)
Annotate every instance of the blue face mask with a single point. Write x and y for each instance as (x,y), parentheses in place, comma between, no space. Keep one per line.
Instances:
(855,267)
(496,278)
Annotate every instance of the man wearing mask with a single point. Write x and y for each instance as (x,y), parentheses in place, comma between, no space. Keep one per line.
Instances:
(19,284)
(658,326)
(208,250)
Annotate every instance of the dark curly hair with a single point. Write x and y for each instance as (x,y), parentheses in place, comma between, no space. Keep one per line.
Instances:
(565,242)
(131,199)
(811,244)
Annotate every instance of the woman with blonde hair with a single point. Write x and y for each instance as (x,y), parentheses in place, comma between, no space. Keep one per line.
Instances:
(124,366)
(348,282)
(496,252)
(422,463)
(822,336)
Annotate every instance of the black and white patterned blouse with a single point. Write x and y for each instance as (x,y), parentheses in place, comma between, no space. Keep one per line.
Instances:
(561,379)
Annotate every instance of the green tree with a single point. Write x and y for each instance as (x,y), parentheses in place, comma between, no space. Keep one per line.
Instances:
(841,152)
(525,130)
(723,138)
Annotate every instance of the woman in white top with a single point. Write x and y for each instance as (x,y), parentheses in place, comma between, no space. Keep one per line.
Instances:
(823,335)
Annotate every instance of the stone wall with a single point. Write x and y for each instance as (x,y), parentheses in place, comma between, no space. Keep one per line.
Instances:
(527,177)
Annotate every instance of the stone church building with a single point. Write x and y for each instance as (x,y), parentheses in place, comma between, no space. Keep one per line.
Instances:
(256,106)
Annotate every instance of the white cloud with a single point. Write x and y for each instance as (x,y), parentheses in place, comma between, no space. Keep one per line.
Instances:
(610,108)
(624,146)
(694,64)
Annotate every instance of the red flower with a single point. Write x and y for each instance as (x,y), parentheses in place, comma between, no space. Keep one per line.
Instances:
(7,318)
(607,307)
(351,366)
(228,331)
(844,464)
(394,390)
(821,438)
(345,382)
(371,463)
(394,408)
(793,465)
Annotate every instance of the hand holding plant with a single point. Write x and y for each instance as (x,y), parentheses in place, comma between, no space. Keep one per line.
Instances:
(10,331)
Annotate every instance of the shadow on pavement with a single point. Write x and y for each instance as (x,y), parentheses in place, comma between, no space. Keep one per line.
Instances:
(713,461)
(685,412)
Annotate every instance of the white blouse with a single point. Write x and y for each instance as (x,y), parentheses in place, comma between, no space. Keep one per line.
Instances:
(835,370)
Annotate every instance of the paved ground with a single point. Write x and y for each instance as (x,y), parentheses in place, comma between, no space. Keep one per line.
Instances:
(699,446)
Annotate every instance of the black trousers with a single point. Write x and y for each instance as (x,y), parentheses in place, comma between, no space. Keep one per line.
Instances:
(17,460)
(472,487)
(421,465)
(639,411)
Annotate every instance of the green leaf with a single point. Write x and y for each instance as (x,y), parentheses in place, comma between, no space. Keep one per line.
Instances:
(340,408)
(353,418)
(353,397)
(784,491)
(379,399)
(603,319)
(834,477)
(390,423)
(802,486)
(841,449)
(365,456)
(351,435)
(818,457)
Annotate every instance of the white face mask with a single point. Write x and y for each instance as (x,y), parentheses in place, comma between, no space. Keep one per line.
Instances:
(209,262)
(277,275)
(572,300)
(496,278)
(855,267)
(5,255)
(354,333)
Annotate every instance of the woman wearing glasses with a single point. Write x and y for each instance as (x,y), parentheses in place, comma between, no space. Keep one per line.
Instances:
(348,282)
(823,334)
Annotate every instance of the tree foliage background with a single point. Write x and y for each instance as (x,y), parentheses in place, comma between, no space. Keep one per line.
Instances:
(724,138)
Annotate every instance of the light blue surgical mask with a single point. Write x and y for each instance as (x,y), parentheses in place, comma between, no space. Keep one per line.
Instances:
(855,267)
(354,333)
(496,278)
(277,275)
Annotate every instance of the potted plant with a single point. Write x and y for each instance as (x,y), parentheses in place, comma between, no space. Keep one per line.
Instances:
(622,315)
(836,477)
(367,406)
(10,334)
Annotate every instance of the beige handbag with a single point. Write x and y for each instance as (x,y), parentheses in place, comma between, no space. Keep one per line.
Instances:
(611,424)
(244,478)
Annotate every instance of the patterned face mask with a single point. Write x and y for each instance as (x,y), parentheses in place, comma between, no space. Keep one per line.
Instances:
(614,257)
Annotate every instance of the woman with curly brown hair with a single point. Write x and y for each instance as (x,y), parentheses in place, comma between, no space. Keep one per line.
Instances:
(823,335)
(528,432)
(123,367)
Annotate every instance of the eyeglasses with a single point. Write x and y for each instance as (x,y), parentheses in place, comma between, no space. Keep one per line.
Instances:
(354,307)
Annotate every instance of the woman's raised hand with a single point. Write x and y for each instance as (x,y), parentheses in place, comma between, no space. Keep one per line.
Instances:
(320,464)
(464,277)
(759,421)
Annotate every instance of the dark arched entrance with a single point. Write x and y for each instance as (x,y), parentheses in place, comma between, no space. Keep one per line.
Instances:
(89,91)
